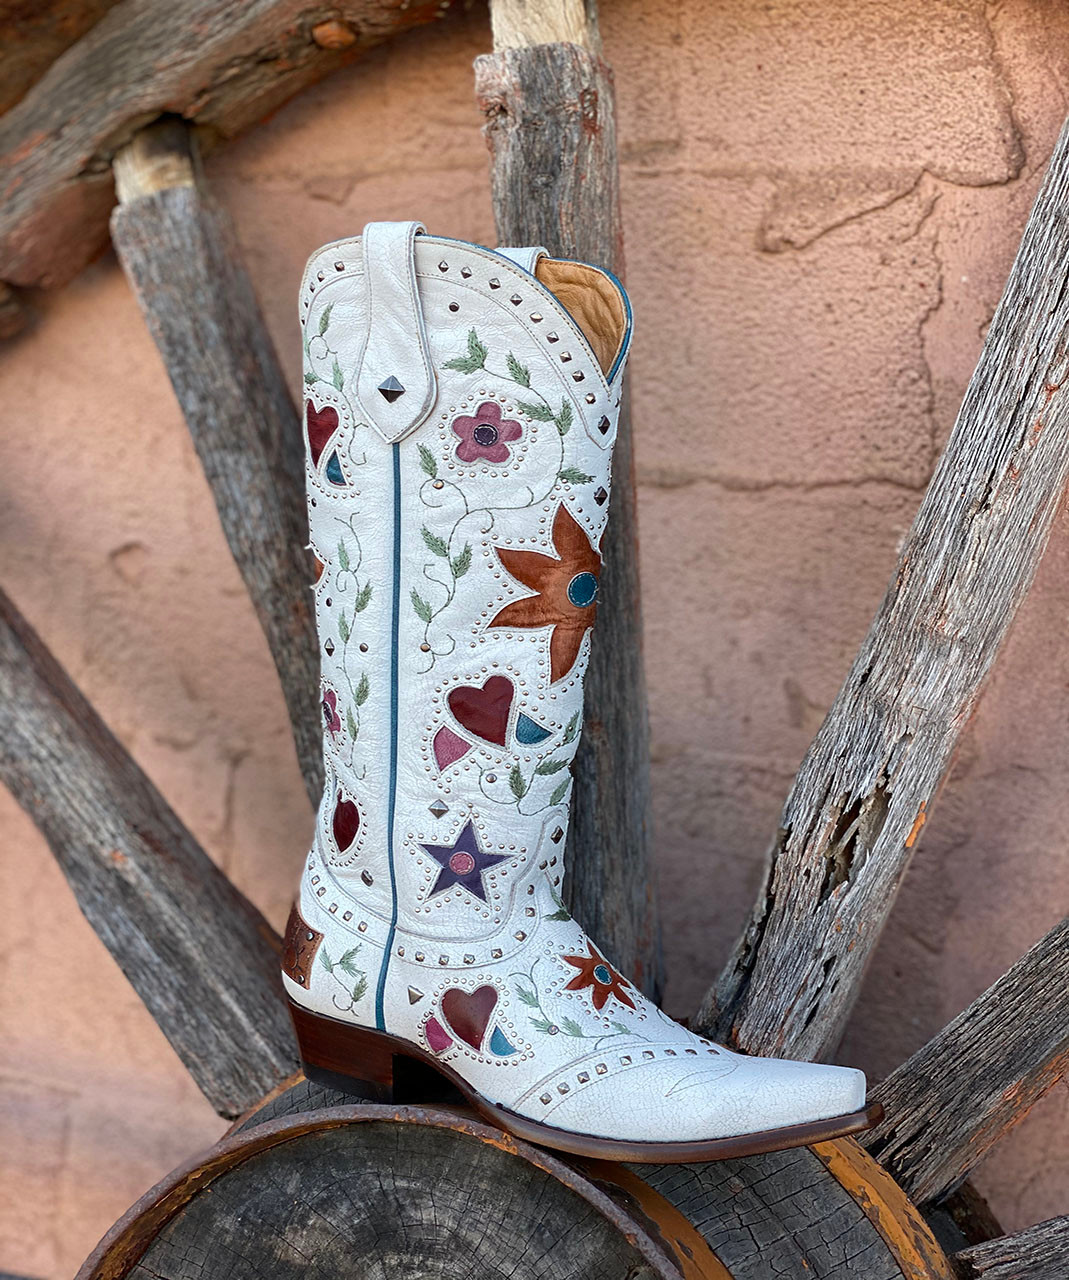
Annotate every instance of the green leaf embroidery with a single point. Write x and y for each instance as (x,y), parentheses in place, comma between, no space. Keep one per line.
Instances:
(343,557)
(564,418)
(562,913)
(571,1028)
(325,960)
(324,319)
(527,997)
(476,350)
(550,766)
(572,729)
(540,412)
(619,1026)
(422,608)
(343,628)
(351,724)
(540,1024)
(518,372)
(462,563)
(572,475)
(435,544)
(346,962)
(309,378)
(363,598)
(427,462)
(560,792)
(360,696)
(359,988)
(339,381)
(473,360)
(516,783)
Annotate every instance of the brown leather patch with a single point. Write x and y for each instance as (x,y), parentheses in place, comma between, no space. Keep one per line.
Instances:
(299,947)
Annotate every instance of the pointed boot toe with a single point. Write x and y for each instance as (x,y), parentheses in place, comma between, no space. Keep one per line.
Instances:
(461,407)
(773,1093)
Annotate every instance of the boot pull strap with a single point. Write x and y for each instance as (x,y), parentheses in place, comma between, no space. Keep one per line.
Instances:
(526,257)
(395,382)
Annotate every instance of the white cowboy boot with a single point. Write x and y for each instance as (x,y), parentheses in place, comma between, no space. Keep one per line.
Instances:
(461,408)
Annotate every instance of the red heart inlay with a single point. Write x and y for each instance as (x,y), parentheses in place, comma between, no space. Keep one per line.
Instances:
(322,423)
(346,823)
(469,1015)
(485,711)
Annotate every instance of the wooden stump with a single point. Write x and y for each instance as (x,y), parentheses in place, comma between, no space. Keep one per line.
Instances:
(387,1190)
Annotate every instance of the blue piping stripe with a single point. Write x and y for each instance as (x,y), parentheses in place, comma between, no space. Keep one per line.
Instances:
(380,994)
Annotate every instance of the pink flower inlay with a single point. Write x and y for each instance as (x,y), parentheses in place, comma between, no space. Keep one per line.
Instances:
(485,436)
(330,711)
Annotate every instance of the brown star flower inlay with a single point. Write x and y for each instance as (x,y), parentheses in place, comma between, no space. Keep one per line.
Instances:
(567,589)
(597,973)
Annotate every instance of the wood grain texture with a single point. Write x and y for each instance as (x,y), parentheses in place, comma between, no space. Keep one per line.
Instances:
(180,254)
(518,24)
(957,1096)
(376,1191)
(200,956)
(33,33)
(1037,1253)
(551,129)
(224,64)
(787,1215)
(868,782)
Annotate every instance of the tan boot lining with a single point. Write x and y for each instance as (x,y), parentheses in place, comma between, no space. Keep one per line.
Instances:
(594,302)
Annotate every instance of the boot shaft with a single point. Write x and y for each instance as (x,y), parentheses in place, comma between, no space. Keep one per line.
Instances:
(459,424)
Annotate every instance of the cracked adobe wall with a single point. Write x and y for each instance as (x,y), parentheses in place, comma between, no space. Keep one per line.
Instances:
(822,202)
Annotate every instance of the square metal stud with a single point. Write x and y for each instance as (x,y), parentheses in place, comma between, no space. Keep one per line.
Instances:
(391,389)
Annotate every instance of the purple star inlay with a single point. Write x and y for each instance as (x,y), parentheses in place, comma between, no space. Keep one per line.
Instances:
(462,863)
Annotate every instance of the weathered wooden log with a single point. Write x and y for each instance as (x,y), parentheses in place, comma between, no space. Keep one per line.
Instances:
(1037,1253)
(180,254)
(279,1185)
(956,1097)
(34,34)
(198,953)
(224,64)
(867,784)
(377,1190)
(552,136)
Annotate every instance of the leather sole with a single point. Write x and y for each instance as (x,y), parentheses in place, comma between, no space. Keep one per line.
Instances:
(352,1058)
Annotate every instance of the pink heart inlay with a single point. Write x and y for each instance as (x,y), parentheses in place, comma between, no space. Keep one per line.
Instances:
(449,747)
(437,1037)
